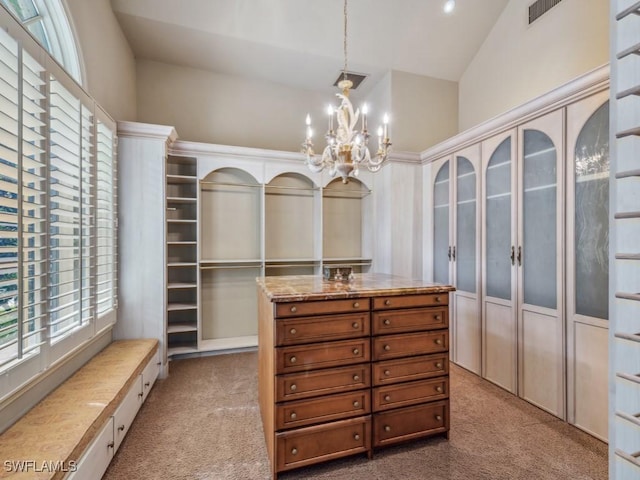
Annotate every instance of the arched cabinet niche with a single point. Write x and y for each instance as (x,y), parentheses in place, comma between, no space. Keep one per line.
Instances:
(230,258)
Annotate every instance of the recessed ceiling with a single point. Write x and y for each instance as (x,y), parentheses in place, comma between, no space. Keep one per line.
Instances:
(300,42)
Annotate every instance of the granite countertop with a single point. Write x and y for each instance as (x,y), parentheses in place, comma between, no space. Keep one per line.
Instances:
(295,288)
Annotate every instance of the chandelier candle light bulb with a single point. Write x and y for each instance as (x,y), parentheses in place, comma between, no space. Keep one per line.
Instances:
(346,148)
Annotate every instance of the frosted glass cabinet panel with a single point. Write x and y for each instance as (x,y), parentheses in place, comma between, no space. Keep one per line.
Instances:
(441,245)
(499,312)
(457,250)
(588,264)
(541,333)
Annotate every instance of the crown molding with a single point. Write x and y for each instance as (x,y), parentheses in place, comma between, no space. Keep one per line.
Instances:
(181,147)
(147,130)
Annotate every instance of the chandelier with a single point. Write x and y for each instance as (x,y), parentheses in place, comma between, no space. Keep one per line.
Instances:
(347,148)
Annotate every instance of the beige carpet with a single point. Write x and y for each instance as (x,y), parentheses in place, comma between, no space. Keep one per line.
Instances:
(203,422)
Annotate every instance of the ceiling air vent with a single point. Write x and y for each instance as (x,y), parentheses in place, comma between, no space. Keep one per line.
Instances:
(356,78)
(539,8)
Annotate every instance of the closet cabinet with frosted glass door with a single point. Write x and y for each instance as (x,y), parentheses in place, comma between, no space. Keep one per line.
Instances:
(456,250)
(522,302)
(587,263)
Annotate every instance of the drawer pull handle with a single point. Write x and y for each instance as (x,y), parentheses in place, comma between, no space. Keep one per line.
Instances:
(387,373)
(356,305)
(438,365)
(356,437)
(356,351)
(439,389)
(387,302)
(386,321)
(355,325)
(387,398)
(438,341)
(294,309)
(356,378)
(111,445)
(121,428)
(387,428)
(387,348)
(438,417)
(293,331)
(438,317)
(293,415)
(438,299)
(140,395)
(356,404)
(293,359)
(146,385)
(293,387)
(294,451)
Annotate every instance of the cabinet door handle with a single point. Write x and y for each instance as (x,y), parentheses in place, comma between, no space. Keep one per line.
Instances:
(519,256)
(449,253)
(147,384)
(121,428)
(111,445)
(513,255)
(453,253)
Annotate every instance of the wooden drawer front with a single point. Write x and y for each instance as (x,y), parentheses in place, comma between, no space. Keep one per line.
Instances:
(300,309)
(322,382)
(322,329)
(126,412)
(150,374)
(412,393)
(409,344)
(408,301)
(410,422)
(399,321)
(322,355)
(323,409)
(306,446)
(407,369)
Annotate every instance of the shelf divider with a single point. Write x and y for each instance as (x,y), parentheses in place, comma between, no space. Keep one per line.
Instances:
(633,9)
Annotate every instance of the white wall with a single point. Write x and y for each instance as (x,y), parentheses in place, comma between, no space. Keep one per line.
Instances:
(209,107)
(518,62)
(108,60)
(425,111)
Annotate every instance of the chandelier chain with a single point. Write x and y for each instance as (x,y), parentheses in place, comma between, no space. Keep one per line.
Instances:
(344,71)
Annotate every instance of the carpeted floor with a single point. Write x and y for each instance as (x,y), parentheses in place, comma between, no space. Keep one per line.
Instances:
(203,422)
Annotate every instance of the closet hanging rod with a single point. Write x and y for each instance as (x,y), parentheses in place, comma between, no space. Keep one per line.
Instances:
(223,184)
(228,267)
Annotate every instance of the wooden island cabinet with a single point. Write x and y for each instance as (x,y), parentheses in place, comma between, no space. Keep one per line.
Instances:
(348,367)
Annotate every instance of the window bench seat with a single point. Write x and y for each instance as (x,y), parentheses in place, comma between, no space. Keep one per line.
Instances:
(77,428)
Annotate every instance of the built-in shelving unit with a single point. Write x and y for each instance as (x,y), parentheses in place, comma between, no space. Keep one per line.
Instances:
(181,249)
(625,296)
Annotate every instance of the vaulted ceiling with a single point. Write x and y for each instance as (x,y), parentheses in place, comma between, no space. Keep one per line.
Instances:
(300,42)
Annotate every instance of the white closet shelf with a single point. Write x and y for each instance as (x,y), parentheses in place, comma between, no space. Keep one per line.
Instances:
(628,92)
(181,350)
(176,179)
(181,327)
(625,215)
(230,184)
(176,286)
(633,9)
(174,307)
(189,242)
(628,173)
(182,264)
(348,261)
(634,49)
(627,256)
(248,261)
(628,133)
(628,296)
(629,457)
(633,337)
(181,199)
(180,220)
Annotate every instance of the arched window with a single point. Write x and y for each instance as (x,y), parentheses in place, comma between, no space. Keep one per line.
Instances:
(47,21)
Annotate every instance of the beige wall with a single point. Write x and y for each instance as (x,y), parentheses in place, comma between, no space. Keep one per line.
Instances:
(425,111)
(518,62)
(208,107)
(109,64)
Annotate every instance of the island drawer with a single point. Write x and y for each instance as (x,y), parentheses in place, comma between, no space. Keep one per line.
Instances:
(411,422)
(306,446)
(409,369)
(411,393)
(409,301)
(292,331)
(322,355)
(410,344)
(323,409)
(301,309)
(410,320)
(322,382)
